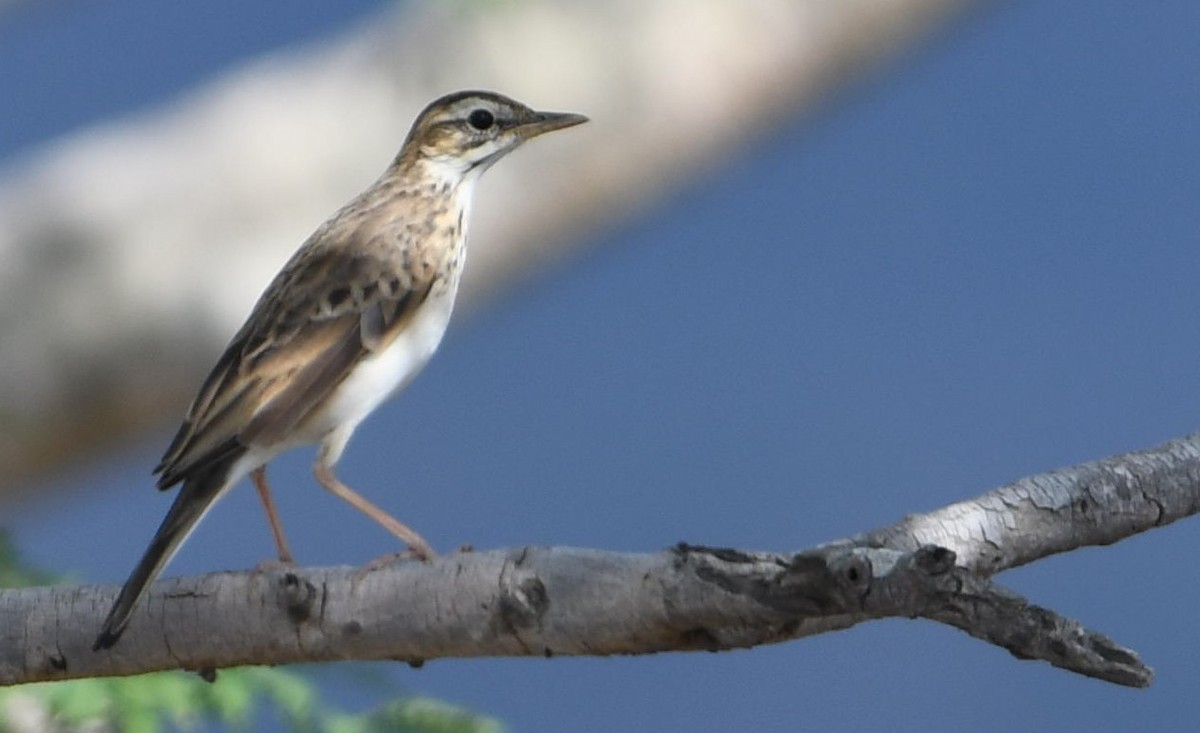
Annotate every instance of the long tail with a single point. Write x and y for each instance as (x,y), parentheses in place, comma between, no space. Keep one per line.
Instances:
(195,498)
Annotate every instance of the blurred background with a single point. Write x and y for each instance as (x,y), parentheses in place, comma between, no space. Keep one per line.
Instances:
(811,267)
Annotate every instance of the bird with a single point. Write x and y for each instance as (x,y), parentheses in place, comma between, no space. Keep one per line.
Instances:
(348,322)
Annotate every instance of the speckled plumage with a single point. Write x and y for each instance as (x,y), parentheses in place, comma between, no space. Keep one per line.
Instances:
(350,319)
(344,297)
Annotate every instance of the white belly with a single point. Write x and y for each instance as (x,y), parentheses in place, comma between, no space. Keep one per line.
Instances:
(385,373)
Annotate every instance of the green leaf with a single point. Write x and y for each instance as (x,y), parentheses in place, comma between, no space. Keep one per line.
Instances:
(230,698)
(427,715)
(14,573)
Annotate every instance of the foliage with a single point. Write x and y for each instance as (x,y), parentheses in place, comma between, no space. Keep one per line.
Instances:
(238,699)
(13,572)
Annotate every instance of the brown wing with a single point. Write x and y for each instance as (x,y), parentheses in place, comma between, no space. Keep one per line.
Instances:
(323,313)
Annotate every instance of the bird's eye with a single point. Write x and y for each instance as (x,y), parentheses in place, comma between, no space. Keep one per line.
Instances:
(481,119)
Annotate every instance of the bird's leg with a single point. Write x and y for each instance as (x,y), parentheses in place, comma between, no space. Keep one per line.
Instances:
(416,543)
(259,477)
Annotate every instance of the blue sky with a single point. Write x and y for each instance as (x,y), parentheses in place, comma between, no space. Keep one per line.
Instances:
(978,264)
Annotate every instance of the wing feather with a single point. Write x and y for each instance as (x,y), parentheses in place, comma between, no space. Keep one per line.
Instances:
(325,311)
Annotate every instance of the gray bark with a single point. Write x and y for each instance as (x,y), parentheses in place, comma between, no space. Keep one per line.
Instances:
(563,601)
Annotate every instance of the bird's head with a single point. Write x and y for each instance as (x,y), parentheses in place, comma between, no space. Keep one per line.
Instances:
(469,131)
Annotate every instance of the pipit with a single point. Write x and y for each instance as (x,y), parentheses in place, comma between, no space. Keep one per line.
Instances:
(350,320)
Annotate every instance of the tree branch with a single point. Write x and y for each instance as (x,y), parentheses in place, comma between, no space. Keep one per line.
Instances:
(1092,504)
(565,601)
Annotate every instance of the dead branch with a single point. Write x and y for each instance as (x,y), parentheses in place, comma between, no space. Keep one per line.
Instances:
(538,601)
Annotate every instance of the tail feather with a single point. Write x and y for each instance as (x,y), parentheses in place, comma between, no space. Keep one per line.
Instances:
(195,498)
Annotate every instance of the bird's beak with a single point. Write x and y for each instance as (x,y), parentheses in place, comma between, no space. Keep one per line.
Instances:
(544,122)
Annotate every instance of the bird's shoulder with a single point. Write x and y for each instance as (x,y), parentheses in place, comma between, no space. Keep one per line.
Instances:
(348,290)
(362,257)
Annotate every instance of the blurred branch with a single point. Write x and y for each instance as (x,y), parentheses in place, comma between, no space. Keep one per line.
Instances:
(563,601)
(130,253)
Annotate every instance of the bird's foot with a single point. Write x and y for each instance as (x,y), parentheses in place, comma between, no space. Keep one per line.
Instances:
(391,558)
